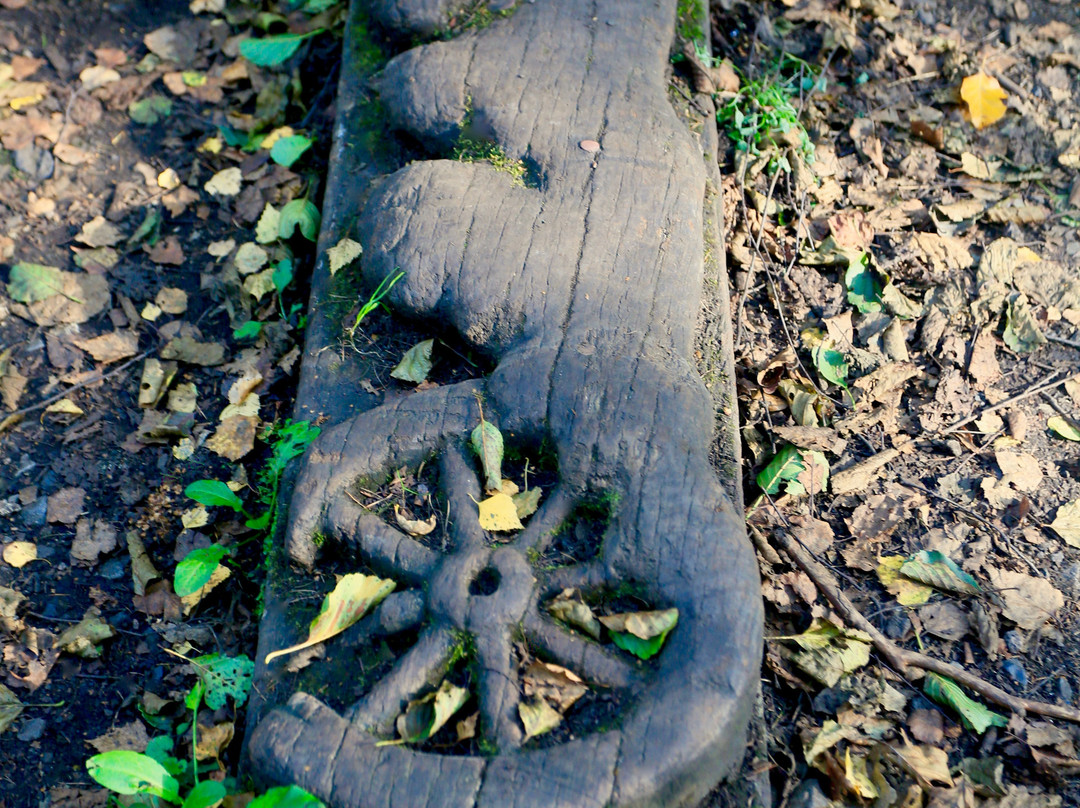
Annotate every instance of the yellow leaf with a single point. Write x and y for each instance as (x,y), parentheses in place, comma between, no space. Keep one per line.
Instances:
(65,406)
(20,553)
(984,98)
(499,513)
(352,598)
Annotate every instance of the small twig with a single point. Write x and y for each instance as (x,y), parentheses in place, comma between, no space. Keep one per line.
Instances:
(1031,391)
(97,377)
(1062,341)
(903,660)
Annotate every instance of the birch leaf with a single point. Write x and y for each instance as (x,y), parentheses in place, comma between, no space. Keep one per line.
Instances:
(424,717)
(985,99)
(498,513)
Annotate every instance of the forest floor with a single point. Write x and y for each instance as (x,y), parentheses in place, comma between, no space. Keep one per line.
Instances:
(902,210)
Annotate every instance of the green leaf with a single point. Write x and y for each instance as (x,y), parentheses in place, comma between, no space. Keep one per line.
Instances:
(128,772)
(934,568)
(29,283)
(415,365)
(260,522)
(273,50)
(283,275)
(287,150)
(249,330)
(487,442)
(1022,333)
(976,716)
(224,676)
(863,286)
(212,493)
(195,570)
(206,794)
(149,229)
(286,797)
(1064,427)
(641,633)
(302,213)
(786,465)
(831,364)
(150,110)
(318,6)
(10,707)
(424,717)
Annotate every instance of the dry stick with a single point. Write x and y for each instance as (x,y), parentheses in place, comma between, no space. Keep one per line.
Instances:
(97,377)
(903,660)
(1031,391)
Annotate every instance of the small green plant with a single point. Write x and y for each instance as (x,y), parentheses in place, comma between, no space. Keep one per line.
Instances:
(287,440)
(164,779)
(762,114)
(469,150)
(376,299)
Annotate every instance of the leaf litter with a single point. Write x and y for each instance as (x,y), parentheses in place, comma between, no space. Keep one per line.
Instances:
(933,230)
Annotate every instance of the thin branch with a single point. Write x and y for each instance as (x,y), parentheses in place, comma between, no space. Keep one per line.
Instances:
(902,660)
(97,377)
(1031,391)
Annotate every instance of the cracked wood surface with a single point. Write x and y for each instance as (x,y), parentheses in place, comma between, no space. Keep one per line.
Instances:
(586,288)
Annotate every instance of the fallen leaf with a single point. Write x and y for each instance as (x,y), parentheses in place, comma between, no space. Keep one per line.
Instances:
(235,437)
(191,600)
(20,553)
(985,98)
(131,736)
(829,651)
(568,607)
(1064,427)
(935,569)
(486,440)
(499,513)
(1029,601)
(85,637)
(99,232)
(976,716)
(167,251)
(930,763)
(91,541)
(907,591)
(97,76)
(415,366)
(10,707)
(249,258)
(110,347)
(538,717)
(414,527)
(641,633)
(560,687)
(526,502)
(354,595)
(213,740)
(1067,523)
(225,183)
(341,254)
(424,717)
(66,505)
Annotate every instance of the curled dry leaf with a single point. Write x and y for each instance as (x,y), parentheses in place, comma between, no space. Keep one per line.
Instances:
(568,607)
(414,527)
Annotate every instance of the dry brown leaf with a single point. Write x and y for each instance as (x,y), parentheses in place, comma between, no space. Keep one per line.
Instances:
(1029,601)
(66,505)
(130,736)
(110,347)
(235,437)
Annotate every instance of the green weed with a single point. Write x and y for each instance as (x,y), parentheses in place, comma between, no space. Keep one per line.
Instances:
(763,118)
(376,299)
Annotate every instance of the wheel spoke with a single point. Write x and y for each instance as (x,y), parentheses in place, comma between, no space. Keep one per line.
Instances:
(500,691)
(458,479)
(589,575)
(401,611)
(542,527)
(385,547)
(422,666)
(589,660)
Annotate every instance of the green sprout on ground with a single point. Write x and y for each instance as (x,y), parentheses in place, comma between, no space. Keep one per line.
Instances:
(376,299)
(762,116)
